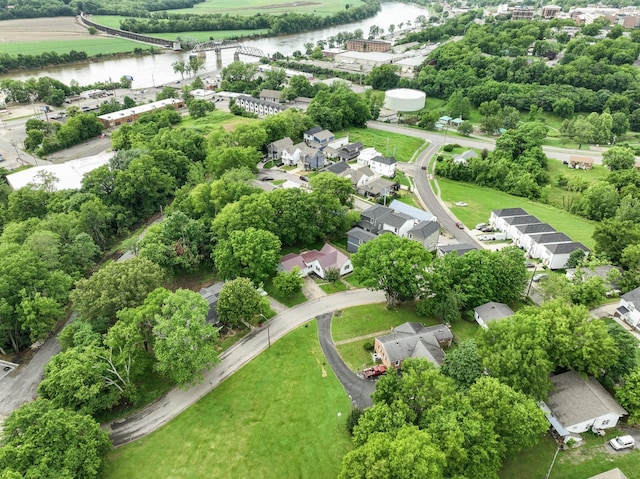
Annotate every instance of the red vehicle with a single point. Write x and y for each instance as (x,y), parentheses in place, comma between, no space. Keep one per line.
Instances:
(459,225)
(374,371)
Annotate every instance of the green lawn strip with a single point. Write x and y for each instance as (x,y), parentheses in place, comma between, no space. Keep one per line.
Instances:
(483,200)
(564,142)
(355,356)
(276,417)
(465,330)
(298,298)
(278,182)
(363,320)
(351,279)
(409,199)
(560,197)
(401,178)
(532,463)
(331,288)
(215,119)
(90,45)
(389,144)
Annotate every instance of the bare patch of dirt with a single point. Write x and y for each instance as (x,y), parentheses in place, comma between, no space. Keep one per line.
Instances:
(42,30)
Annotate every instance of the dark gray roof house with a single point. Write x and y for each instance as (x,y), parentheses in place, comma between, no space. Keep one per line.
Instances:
(491,311)
(350,151)
(505,212)
(338,167)
(378,187)
(211,294)
(370,218)
(384,159)
(356,237)
(522,220)
(274,149)
(426,233)
(550,238)
(459,248)
(527,229)
(413,340)
(312,131)
(566,248)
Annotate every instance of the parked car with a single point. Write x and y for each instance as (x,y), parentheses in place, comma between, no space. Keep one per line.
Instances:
(530,265)
(304,178)
(461,203)
(267,178)
(487,229)
(459,225)
(539,277)
(622,442)
(486,238)
(479,226)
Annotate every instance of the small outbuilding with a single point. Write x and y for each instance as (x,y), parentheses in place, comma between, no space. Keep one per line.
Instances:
(491,311)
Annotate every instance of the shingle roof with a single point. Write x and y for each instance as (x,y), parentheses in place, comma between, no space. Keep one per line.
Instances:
(377,186)
(313,131)
(375,212)
(491,311)
(564,248)
(323,135)
(362,235)
(505,212)
(412,211)
(211,294)
(424,229)
(550,238)
(575,400)
(338,167)
(535,228)
(522,220)
(633,296)
(283,143)
(384,160)
(411,340)
(460,248)
(396,219)
(270,94)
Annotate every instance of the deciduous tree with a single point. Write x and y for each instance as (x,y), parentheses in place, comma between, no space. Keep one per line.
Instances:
(239,302)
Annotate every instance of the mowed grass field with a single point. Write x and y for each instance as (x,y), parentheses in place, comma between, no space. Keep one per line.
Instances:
(91,45)
(389,144)
(251,7)
(482,200)
(275,418)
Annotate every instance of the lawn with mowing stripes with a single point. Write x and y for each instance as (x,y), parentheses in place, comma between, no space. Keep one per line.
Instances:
(483,200)
(275,418)
(91,46)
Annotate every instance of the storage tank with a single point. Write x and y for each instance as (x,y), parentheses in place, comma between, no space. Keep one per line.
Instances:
(404,99)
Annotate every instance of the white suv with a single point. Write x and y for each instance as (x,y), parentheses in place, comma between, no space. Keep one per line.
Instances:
(622,442)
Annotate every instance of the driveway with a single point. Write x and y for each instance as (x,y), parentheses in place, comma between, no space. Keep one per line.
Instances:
(155,415)
(358,389)
(311,290)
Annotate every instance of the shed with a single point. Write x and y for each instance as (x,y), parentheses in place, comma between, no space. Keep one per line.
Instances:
(581,162)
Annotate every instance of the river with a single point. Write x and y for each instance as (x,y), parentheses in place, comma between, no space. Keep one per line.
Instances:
(154,70)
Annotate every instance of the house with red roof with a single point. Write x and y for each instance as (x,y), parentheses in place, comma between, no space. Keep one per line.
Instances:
(318,262)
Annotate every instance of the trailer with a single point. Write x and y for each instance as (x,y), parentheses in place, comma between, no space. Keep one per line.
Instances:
(374,371)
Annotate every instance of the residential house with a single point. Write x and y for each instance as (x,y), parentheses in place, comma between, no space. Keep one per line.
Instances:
(457,122)
(397,223)
(555,256)
(356,237)
(359,176)
(459,249)
(350,151)
(498,216)
(413,340)
(308,135)
(259,107)
(270,95)
(536,242)
(371,218)
(445,119)
(513,221)
(378,188)
(519,231)
(576,405)
(412,211)
(464,157)
(629,308)
(211,294)
(426,233)
(303,156)
(318,262)
(382,165)
(580,162)
(491,311)
(584,274)
(337,168)
(319,139)
(274,150)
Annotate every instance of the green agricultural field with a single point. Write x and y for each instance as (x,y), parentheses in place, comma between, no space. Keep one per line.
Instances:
(252,7)
(275,418)
(402,147)
(483,200)
(91,45)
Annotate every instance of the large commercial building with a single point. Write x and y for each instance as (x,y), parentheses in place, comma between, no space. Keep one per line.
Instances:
(130,115)
(368,46)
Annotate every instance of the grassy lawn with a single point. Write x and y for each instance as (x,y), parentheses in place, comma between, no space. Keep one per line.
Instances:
(409,199)
(482,200)
(215,119)
(354,354)
(331,288)
(275,418)
(252,7)
(464,330)
(278,182)
(559,197)
(389,144)
(401,178)
(299,298)
(90,45)
(585,461)
(351,279)
(372,318)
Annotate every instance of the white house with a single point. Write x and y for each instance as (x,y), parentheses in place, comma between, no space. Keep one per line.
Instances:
(576,405)
(555,256)
(491,311)
(397,223)
(537,242)
(513,221)
(275,149)
(318,262)
(519,231)
(358,176)
(497,217)
(463,158)
(382,165)
(415,213)
(629,308)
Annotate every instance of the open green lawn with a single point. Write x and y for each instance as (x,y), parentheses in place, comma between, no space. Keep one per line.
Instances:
(483,200)
(355,356)
(90,45)
(331,288)
(555,168)
(252,7)
(298,298)
(275,418)
(215,119)
(577,463)
(401,146)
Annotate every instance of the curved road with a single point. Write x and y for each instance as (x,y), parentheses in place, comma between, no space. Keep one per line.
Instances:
(177,400)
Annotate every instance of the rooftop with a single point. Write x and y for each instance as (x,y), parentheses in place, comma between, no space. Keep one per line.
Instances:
(139,109)
(550,238)
(424,229)
(535,228)
(460,248)
(491,311)
(413,340)
(566,248)
(522,220)
(412,211)
(505,212)
(361,234)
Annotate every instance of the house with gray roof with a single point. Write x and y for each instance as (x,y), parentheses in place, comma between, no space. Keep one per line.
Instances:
(397,223)
(464,157)
(413,340)
(378,188)
(319,139)
(337,167)
(350,151)
(513,221)
(555,256)
(458,248)
(535,242)
(412,211)
(497,217)
(211,294)
(491,311)
(356,237)
(358,176)
(259,107)
(521,230)
(303,156)
(274,149)
(270,95)
(576,405)
(370,219)
(426,233)
(308,135)
(629,308)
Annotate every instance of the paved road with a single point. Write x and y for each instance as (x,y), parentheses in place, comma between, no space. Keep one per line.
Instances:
(358,389)
(177,400)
